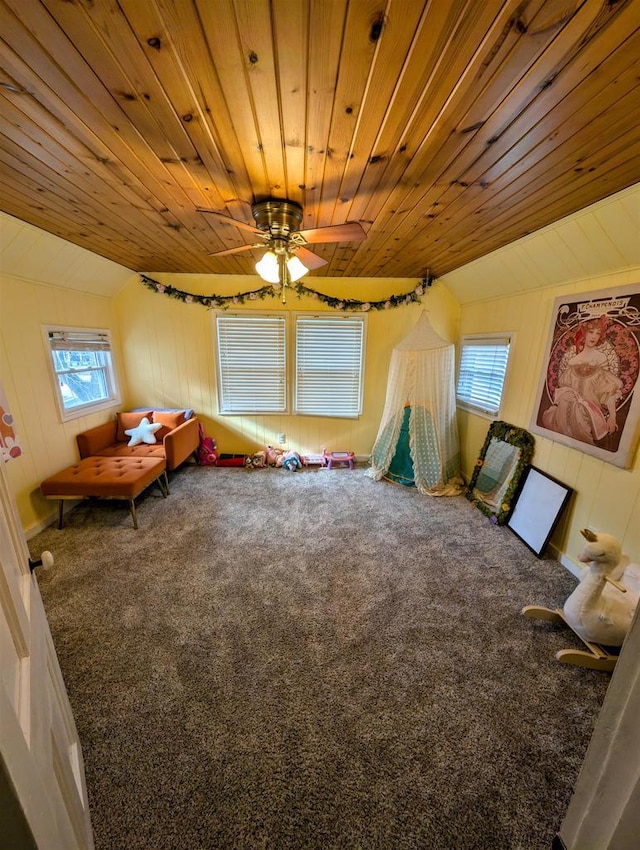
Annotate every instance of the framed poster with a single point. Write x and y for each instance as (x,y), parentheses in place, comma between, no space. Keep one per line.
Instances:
(538,509)
(588,395)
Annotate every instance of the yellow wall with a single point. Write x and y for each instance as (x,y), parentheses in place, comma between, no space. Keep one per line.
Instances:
(164,357)
(168,346)
(606,497)
(48,444)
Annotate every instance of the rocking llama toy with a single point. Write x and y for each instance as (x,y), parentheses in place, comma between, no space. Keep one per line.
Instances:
(601,608)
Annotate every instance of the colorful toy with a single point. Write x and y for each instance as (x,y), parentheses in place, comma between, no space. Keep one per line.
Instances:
(291,461)
(274,456)
(601,607)
(256,461)
(338,457)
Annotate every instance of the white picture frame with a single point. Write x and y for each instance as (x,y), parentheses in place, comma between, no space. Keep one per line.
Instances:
(538,508)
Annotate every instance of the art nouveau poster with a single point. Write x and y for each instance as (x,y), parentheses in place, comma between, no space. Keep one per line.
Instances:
(588,397)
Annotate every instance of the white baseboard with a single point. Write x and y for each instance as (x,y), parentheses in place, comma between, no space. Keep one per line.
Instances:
(51,519)
(566,561)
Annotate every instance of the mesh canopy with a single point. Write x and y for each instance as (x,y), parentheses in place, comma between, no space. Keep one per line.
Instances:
(420,407)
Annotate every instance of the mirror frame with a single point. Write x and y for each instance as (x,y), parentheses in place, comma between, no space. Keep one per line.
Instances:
(524,442)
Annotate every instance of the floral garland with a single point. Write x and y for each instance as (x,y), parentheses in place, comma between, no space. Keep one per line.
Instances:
(274,290)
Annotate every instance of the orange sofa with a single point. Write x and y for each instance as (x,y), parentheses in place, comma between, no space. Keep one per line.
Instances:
(176,440)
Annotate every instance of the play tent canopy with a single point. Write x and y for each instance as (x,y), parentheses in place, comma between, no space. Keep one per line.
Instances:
(417,442)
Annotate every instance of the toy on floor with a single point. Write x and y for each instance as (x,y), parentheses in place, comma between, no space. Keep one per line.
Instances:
(601,607)
(338,457)
(291,461)
(314,460)
(274,456)
(256,461)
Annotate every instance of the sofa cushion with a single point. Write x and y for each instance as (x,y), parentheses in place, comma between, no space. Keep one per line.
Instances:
(168,420)
(129,420)
(142,450)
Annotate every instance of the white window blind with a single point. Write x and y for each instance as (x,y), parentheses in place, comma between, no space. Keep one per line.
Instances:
(252,364)
(329,365)
(483,366)
(82,369)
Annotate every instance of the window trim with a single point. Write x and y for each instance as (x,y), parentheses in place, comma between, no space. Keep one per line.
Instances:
(113,398)
(508,338)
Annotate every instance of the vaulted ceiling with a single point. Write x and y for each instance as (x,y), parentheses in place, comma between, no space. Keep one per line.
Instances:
(447,128)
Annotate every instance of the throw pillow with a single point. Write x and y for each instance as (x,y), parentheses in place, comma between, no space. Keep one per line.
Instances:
(145,432)
(129,420)
(168,421)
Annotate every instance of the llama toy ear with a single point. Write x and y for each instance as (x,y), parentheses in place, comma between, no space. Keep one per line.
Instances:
(589,535)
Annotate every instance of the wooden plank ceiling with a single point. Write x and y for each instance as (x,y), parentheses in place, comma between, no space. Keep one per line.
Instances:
(448,128)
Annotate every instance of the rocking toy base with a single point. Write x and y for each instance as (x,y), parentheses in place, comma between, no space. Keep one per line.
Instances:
(597,658)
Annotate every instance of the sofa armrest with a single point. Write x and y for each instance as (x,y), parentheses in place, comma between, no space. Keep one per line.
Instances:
(181,442)
(91,442)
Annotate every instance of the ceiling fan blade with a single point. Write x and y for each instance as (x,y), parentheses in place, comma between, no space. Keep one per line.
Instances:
(351,231)
(226,219)
(309,259)
(237,250)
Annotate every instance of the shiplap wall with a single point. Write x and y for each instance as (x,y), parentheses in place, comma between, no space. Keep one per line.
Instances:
(48,444)
(168,346)
(513,289)
(165,351)
(606,497)
(600,239)
(31,254)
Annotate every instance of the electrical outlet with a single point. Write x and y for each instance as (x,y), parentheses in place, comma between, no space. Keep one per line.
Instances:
(282,439)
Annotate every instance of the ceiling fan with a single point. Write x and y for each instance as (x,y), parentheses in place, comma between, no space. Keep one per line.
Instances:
(277,229)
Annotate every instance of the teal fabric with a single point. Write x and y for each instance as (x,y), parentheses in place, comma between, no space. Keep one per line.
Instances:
(401,469)
(401,466)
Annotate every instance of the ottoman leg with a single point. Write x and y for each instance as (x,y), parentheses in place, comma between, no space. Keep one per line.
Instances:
(132,509)
(60,515)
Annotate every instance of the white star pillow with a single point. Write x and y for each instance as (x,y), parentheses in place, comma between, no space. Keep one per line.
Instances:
(144,433)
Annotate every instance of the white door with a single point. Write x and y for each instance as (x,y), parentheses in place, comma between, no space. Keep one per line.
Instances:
(38,740)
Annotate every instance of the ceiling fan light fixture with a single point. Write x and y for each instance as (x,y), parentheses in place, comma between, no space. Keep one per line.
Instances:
(296,268)
(268,267)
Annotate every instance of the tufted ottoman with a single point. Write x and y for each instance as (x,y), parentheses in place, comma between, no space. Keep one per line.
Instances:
(107,478)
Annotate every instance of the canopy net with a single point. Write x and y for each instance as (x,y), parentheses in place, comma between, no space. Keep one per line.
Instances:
(417,442)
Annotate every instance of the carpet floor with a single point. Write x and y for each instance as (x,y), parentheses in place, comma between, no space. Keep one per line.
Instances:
(314,660)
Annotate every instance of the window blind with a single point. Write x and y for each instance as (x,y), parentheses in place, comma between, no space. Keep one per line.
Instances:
(79,341)
(483,366)
(251,364)
(329,365)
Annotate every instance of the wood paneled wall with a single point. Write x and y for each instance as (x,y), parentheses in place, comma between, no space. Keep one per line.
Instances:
(606,497)
(168,348)
(48,444)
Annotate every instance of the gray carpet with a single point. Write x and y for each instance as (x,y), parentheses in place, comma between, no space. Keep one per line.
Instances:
(314,660)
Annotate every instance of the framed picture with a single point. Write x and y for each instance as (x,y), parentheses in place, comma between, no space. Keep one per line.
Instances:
(538,509)
(588,395)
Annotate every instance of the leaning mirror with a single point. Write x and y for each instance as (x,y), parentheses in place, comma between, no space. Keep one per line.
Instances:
(504,457)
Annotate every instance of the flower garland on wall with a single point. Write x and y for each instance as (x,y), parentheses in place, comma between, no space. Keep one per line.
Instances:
(274,290)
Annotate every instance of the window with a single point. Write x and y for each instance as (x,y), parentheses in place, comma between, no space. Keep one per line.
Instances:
(329,365)
(83,370)
(255,375)
(252,363)
(483,366)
